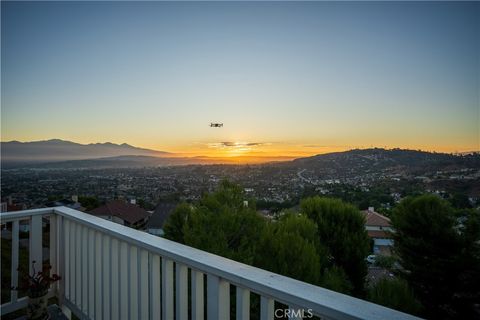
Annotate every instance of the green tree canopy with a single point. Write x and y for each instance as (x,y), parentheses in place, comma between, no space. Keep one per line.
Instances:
(89,203)
(174,226)
(289,247)
(396,294)
(325,245)
(219,223)
(440,254)
(341,228)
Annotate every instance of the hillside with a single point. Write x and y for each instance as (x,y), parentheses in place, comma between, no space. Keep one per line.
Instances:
(377,161)
(15,152)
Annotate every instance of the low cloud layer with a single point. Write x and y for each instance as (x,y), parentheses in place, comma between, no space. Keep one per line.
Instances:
(232,144)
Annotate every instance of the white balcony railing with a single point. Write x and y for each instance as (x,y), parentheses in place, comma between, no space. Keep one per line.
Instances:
(114,272)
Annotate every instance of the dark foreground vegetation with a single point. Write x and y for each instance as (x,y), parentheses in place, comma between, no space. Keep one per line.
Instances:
(324,242)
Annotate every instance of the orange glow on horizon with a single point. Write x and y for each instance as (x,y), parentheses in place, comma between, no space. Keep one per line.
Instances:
(247,152)
(241,152)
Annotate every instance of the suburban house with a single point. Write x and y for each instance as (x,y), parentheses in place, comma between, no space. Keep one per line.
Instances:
(379,230)
(124,213)
(159,217)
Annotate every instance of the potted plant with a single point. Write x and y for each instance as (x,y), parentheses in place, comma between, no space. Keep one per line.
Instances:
(36,286)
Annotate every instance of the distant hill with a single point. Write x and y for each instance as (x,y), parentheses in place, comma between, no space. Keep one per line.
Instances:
(365,161)
(132,161)
(354,163)
(60,150)
(117,162)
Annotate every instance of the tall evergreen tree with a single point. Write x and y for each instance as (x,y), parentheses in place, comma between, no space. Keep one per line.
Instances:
(341,228)
(289,247)
(174,226)
(222,224)
(439,252)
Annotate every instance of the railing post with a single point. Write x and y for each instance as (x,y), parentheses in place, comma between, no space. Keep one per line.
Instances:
(124,274)
(266,308)
(243,304)
(15,248)
(59,250)
(143,284)
(66,258)
(218,298)
(181,288)
(155,287)
(98,276)
(91,273)
(53,250)
(133,276)
(36,247)
(85,270)
(106,276)
(71,262)
(167,289)
(62,248)
(197,295)
(78,266)
(115,280)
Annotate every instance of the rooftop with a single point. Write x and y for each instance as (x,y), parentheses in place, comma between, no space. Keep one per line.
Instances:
(375,219)
(121,209)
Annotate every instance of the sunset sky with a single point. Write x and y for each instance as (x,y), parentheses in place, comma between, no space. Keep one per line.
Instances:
(286,79)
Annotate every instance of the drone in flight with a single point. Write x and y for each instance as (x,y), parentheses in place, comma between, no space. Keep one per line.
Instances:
(216,125)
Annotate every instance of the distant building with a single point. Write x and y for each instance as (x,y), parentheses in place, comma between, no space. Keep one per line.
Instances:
(157,220)
(9,206)
(379,230)
(124,213)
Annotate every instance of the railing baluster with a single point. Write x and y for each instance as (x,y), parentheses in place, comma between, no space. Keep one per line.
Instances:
(124,292)
(143,284)
(181,288)
(36,247)
(155,287)
(266,308)
(66,253)
(98,277)
(91,273)
(78,266)
(243,304)
(71,261)
(14,270)
(218,298)
(197,295)
(106,277)
(167,289)
(60,253)
(84,282)
(133,276)
(115,280)
(52,250)
(61,248)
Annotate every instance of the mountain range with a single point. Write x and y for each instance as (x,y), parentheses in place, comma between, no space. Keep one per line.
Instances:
(61,150)
(57,153)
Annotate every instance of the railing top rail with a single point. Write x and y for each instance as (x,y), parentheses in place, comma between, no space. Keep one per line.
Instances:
(323,302)
(24,214)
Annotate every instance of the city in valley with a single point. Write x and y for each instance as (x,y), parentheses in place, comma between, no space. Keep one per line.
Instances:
(370,177)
